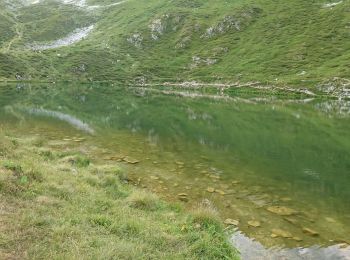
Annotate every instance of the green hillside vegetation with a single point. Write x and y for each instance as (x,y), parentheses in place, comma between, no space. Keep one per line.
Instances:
(295,42)
(6,27)
(55,21)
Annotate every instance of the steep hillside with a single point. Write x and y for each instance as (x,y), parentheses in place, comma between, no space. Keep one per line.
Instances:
(295,42)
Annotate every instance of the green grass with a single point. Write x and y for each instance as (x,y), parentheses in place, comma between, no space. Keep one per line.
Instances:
(295,42)
(54,207)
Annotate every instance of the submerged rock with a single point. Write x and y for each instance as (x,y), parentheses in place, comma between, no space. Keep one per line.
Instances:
(298,239)
(254,223)
(118,158)
(344,245)
(183,197)
(232,222)
(291,220)
(221,192)
(331,220)
(280,233)
(210,190)
(130,160)
(286,199)
(282,211)
(310,232)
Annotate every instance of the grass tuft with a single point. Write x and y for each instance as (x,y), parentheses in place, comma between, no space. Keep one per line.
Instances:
(144,200)
(206,216)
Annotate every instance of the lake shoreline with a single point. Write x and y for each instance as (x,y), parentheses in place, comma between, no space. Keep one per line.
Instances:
(336,88)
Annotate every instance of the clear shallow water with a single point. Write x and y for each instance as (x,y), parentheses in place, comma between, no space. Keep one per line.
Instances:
(255,151)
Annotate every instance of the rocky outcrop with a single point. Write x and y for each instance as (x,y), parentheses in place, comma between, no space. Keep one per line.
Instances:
(232,23)
(337,87)
(136,39)
(163,24)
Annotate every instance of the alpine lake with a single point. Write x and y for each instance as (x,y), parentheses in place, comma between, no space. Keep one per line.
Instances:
(275,165)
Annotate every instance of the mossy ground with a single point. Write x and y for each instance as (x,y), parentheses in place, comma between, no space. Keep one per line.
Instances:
(60,204)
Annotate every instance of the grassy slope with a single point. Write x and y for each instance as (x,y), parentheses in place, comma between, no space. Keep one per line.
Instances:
(55,21)
(57,204)
(277,41)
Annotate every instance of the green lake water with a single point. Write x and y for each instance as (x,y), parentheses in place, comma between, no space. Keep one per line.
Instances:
(246,153)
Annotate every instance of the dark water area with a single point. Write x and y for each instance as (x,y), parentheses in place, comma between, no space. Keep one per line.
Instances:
(279,166)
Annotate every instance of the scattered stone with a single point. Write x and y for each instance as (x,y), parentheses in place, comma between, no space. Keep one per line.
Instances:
(220,192)
(118,158)
(298,239)
(130,160)
(183,197)
(280,233)
(235,182)
(257,200)
(254,223)
(210,190)
(281,210)
(197,226)
(136,40)
(286,199)
(310,232)
(342,241)
(291,220)
(154,177)
(344,245)
(176,185)
(331,220)
(232,222)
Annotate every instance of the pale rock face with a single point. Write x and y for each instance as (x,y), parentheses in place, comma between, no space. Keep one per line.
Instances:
(157,29)
(330,5)
(339,87)
(183,43)
(198,61)
(231,23)
(227,24)
(167,22)
(136,40)
(339,107)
